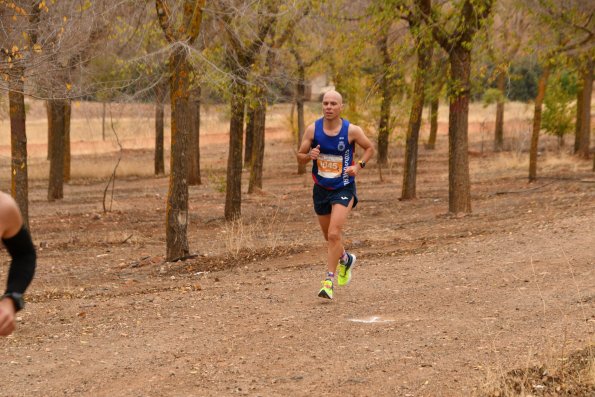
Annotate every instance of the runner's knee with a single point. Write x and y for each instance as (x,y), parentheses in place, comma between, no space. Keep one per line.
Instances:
(334,236)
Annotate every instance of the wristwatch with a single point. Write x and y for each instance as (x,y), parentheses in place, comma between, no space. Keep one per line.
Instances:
(362,164)
(17,300)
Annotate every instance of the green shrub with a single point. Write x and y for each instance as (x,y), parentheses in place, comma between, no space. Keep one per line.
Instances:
(559,112)
(492,95)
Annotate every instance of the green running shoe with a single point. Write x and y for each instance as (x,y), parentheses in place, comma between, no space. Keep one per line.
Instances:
(344,270)
(327,289)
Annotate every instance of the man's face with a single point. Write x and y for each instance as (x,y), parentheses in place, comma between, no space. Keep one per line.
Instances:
(332,105)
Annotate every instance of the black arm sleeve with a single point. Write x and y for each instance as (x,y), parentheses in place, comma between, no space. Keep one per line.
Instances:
(22,268)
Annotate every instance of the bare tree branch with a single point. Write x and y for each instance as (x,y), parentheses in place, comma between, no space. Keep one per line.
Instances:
(164,17)
(193,26)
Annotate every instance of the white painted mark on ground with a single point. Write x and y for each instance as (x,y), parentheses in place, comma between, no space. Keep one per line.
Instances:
(370,320)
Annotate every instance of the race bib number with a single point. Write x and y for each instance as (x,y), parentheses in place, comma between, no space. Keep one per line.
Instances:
(330,166)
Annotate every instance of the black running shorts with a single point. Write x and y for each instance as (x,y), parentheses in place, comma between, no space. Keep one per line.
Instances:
(324,198)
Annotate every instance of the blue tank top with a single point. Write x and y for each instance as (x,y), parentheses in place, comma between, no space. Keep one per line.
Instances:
(336,154)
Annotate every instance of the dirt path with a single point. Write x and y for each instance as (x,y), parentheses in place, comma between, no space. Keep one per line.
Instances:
(438,306)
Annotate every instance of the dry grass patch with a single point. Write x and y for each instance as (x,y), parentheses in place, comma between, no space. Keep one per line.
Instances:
(516,162)
(262,232)
(572,376)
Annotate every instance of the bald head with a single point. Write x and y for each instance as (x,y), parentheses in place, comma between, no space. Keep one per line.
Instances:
(332,105)
(333,96)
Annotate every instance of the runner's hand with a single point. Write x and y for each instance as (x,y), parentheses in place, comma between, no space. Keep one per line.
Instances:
(314,153)
(6,317)
(352,170)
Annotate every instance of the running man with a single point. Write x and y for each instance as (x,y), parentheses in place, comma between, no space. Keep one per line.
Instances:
(330,143)
(18,243)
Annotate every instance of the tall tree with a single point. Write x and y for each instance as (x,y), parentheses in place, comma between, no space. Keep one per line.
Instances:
(303,63)
(257,152)
(279,33)
(19,187)
(583,106)
(569,25)
(387,92)
(194,141)
(424,45)
(136,56)
(537,112)
(437,79)
(71,34)
(249,132)
(19,38)
(506,37)
(180,80)
(160,97)
(300,98)
(243,47)
(458,44)
(56,179)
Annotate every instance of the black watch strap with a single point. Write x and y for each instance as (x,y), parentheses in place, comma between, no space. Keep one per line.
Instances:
(17,300)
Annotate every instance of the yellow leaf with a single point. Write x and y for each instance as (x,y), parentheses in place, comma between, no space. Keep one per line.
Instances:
(15,49)
(37,48)
(68,86)
(25,36)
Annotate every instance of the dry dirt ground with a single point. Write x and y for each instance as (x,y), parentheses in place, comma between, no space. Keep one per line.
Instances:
(439,305)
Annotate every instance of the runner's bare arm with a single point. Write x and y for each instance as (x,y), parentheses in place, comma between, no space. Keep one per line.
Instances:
(304,153)
(356,134)
(10,224)
(10,216)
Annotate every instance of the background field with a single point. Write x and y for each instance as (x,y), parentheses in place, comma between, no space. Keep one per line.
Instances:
(439,306)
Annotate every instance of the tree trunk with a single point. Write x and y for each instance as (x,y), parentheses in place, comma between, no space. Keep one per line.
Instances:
(579,114)
(541,87)
(160,94)
(459,187)
(383,128)
(103,108)
(258,142)
(249,135)
(434,104)
(233,193)
(300,98)
(585,119)
(177,197)
(194,152)
(56,179)
(258,146)
(66,132)
(67,154)
(499,128)
(197,125)
(18,144)
(49,117)
(424,56)
(386,100)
